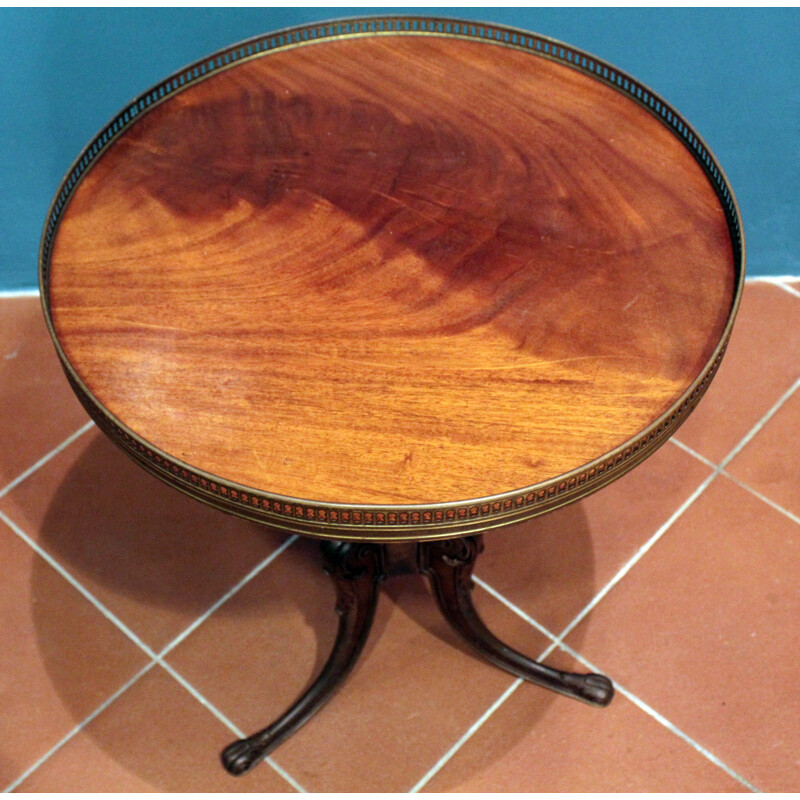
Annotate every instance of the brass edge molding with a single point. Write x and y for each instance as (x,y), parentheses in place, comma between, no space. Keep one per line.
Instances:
(387,522)
(384,522)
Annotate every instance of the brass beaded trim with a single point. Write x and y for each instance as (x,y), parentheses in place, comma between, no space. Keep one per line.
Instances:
(387,522)
(313,518)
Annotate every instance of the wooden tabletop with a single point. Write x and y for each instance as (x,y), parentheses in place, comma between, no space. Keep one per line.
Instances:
(393,271)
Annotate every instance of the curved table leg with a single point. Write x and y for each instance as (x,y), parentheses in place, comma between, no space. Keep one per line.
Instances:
(357,570)
(448,563)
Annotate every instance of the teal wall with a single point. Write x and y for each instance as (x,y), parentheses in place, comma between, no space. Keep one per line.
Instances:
(733,73)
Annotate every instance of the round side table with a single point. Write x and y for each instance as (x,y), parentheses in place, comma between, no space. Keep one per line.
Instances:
(393,282)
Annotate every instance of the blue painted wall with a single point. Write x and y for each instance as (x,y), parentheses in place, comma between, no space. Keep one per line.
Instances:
(732,72)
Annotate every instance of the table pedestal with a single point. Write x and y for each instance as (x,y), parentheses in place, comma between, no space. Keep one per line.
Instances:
(357,569)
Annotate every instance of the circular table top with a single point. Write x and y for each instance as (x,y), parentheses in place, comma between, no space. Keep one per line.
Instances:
(393,283)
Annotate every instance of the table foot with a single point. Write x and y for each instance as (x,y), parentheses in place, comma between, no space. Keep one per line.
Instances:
(448,564)
(356,570)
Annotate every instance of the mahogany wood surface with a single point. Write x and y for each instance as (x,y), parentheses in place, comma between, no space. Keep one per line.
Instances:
(392,270)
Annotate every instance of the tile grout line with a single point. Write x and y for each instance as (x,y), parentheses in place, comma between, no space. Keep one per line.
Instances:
(78,728)
(465,737)
(741,483)
(763,498)
(44,459)
(771,278)
(786,287)
(557,641)
(518,611)
(717,470)
(639,553)
(199,621)
(155,658)
(759,425)
(10,294)
(224,720)
(777,280)
(663,721)
(473,729)
(227,596)
(76,584)
(687,449)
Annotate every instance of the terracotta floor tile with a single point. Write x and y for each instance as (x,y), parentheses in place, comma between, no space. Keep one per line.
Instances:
(770,462)
(34,394)
(59,659)
(156,558)
(704,629)
(553,565)
(155,737)
(532,745)
(411,696)
(761,363)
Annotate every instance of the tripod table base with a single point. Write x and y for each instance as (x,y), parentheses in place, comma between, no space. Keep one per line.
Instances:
(357,569)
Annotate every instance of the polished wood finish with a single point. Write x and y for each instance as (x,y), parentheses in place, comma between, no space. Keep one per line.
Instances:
(392,270)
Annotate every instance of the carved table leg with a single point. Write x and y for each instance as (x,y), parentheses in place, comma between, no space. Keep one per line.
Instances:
(448,564)
(356,569)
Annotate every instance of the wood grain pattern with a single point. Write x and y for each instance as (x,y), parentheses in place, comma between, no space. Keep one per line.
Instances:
(392,270)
